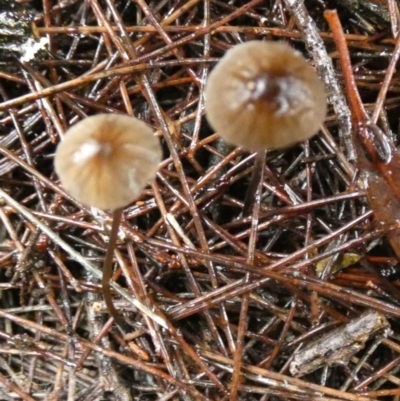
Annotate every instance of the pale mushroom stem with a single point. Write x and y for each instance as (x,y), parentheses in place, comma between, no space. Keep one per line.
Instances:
(254,182)
(107,268)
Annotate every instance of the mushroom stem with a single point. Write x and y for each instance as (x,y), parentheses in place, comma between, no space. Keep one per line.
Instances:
(254,182)
(107,268)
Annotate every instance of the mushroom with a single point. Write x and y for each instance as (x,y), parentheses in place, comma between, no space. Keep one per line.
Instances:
(105,161)
(263,96)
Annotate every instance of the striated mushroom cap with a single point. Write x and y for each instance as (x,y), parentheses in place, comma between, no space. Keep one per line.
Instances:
(264,95)
(106,160)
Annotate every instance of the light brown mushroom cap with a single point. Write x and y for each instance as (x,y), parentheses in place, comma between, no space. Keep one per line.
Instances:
(264,95)
(106,160)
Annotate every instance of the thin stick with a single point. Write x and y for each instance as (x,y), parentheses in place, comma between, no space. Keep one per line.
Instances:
(386,82)
(356,105)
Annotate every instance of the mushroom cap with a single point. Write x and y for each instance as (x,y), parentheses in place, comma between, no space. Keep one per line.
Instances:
(106,160)
(264,95)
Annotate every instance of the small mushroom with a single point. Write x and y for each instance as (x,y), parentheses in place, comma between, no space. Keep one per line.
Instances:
(264,95)
(105,161)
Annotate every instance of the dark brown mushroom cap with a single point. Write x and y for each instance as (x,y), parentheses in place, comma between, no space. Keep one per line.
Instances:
(264,95)
(106,160)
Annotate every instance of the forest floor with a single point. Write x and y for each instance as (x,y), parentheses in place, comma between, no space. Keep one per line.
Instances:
(297,300)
